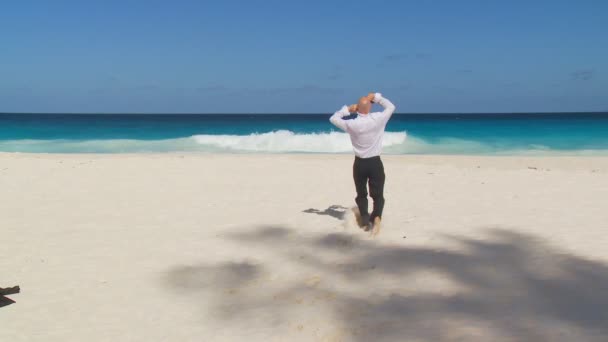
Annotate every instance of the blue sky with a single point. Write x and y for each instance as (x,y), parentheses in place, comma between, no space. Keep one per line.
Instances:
(306,56)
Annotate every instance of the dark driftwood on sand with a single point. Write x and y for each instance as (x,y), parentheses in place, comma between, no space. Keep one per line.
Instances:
(9,290)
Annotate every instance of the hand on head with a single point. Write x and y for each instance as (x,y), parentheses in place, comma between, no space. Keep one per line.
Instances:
(364,106)
(371,97)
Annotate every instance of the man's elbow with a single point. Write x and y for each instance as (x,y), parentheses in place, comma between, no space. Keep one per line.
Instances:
(333,122)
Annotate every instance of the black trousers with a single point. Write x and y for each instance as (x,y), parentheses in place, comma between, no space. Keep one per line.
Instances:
(369,170)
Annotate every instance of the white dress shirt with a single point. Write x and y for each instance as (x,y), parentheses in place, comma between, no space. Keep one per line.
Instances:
(367,130)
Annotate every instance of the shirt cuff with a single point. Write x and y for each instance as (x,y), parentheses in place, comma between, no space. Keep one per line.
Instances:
(344,111)
(377,97)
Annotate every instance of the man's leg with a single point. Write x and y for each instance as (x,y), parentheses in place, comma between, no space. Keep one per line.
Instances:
(360,177)
(376,188)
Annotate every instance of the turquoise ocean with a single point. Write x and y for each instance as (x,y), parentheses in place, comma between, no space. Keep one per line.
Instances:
(471,134)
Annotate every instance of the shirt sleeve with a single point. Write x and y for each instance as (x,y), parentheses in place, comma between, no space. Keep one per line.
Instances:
(337,120)
(389,107)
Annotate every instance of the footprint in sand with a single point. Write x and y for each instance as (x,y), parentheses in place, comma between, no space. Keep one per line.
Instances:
(313,281)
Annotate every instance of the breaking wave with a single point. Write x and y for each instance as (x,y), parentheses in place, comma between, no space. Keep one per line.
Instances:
(282,141)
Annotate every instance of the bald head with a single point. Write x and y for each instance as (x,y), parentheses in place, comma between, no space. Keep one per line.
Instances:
(364,106)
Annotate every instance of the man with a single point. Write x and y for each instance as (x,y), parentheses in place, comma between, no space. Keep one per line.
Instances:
(366,132)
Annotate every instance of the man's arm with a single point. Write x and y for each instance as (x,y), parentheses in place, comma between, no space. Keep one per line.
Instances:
(389,107)
(337,120)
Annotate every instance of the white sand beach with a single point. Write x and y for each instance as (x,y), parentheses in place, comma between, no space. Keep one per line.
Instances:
(206,247)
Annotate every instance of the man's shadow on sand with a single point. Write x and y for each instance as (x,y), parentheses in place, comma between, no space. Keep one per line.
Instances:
(339,212)
(335,211)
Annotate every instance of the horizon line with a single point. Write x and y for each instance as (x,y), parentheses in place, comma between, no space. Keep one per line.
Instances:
(300,113)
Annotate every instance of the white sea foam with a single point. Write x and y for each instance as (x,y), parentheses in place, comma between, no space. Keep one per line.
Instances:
(287,141)
(98,146)
(282,142)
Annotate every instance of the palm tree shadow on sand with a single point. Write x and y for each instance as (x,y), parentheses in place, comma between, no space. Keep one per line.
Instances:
(505,286)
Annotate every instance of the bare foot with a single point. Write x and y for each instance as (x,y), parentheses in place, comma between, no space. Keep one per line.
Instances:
(357,216)
(376,227)
(362,222)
